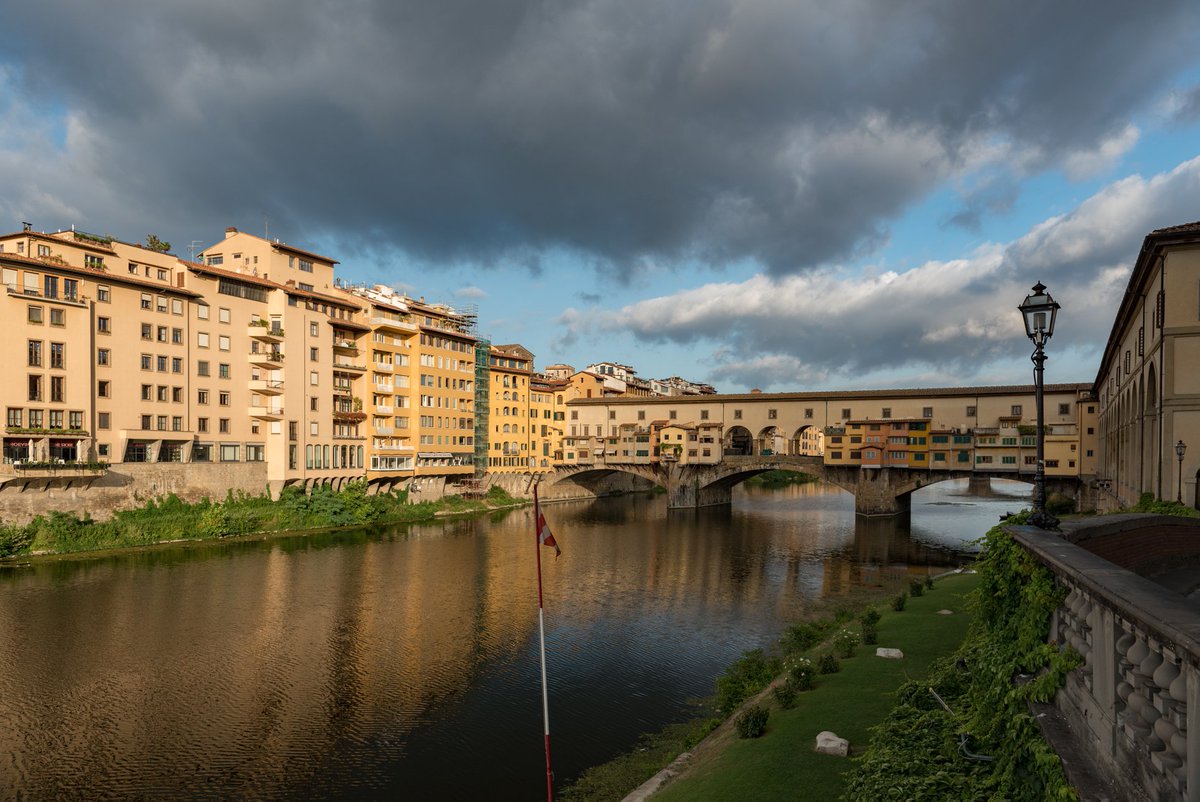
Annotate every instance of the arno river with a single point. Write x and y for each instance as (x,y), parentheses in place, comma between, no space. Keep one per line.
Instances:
(402,662)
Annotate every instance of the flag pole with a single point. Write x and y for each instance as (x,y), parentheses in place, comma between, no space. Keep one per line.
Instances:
(537,516)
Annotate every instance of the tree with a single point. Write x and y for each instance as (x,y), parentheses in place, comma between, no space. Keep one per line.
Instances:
(155,244)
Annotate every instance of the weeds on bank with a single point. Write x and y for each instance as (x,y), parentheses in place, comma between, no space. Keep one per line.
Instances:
(170,518)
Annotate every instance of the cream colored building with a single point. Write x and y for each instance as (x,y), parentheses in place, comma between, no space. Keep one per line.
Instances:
(1148,384)
(510,425)
(443,377)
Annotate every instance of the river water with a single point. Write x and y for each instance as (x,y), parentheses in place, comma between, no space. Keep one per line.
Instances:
(402,662)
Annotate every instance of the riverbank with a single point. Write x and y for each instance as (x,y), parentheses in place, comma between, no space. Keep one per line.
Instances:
(170,521)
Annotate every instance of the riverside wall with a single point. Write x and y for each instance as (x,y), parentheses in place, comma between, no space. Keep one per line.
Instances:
(127,486)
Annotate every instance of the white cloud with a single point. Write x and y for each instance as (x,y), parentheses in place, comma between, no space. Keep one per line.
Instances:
(470,291)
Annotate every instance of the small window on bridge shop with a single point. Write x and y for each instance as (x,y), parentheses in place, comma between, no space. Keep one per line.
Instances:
(835,455)
(1016,410)
(918,457)
(964,456)
(641,414)
(612,414)
(926,412)
(1064,409)
(941,438)
(772,414)
(737,414)
(1031,460)
(939,457)
(846,414)
(1051,463)
(855,455)
(971,412)
(671,414)
(642,452)
(838,440)
(808,413)
(854,438)
(1008,460)
(983,459)
(704,414)
(887,412)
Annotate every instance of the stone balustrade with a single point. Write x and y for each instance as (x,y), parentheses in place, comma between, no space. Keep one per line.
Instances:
(1135,701)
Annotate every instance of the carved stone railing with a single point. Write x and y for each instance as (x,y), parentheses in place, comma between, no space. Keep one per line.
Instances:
(1135,701)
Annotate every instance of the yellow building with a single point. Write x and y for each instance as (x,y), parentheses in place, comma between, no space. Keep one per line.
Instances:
(546,423)
(443,377)
(510,435)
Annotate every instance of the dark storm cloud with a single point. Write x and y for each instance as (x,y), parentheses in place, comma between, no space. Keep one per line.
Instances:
(709,130)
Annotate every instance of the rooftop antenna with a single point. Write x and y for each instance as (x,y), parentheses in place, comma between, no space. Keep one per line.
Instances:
(192,249)
(266,228)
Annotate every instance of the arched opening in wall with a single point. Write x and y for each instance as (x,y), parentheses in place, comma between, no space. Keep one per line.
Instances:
(1196,491)
(738,442)
(1151,392)
(805,441)
(770,442)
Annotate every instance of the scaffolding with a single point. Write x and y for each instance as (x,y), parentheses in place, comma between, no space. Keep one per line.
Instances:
(483,349)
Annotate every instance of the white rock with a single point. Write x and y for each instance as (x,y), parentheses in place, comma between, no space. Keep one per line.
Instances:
(890,654)
(828,743)
(945,612)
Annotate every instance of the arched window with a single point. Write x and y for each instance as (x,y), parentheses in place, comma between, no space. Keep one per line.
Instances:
(308,457)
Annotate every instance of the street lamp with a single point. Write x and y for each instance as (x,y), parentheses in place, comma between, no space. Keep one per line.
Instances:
(1039,311)
(1180,450)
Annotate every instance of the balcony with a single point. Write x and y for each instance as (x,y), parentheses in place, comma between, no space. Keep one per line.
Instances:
(381,322)
(382,367)
(383,388)
(265,333)
(344,345)
(349,416)
(271,360)
(384,430)
(393,447)
(343,390)
(267,413)
(266,387)
(347,365)
(384,409)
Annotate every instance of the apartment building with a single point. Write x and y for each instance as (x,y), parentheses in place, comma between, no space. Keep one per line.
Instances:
(546,414)
(443,373)
(510,370)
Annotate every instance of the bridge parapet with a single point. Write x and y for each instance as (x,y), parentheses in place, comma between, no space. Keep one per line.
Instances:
(1136,698)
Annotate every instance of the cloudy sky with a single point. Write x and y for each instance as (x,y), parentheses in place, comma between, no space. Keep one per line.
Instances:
(780,194)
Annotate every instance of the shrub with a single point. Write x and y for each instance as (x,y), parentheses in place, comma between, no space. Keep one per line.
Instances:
(14,540)
(929,582)
(746,677)
(753,722)
(1148,503)
(899,602)
(916,588)
(844,643)
(870,617)
(785,694)
(800,638)
(828,664)
(870,633)
(800,673)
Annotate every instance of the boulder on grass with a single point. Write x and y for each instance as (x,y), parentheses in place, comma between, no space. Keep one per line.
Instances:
(890,654)
(829,744)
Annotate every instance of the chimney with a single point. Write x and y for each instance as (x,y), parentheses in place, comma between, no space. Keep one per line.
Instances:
(230,231)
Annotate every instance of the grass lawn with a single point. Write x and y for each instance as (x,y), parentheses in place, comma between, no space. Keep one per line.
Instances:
(782,764)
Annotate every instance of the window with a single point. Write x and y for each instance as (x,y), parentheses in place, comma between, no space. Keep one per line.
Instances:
(1016,410)
(161,363)
(223,370)
(808,413)
(162,274)
(926,412)
(202,396)
(223,398)
(970,412)
(737,414)
(1141,340)
(229,452)
(104,388)
(177,336)
(306,265)
(147,301)
(177,395)
(35,388)
(103,325)
(58,355)
(704,414)
(314,329)
(254,453)
(162,334)
(34,314)
(1064,409)
(314,378)
(176,364)
(103,294)
(223,343)
(1128,362)
(176,306)
(57,383)
(103,356)
(202,424)
(314,354)
(202,339)
(58,317)
(34,352)
(202,311)
(223,314)
(51,287)
(147,331)
(103,420)
(772,414)
(147,362)
(223,425)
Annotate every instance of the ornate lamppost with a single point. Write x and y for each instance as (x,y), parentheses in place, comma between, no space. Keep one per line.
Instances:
(1180,450)
(1039,311)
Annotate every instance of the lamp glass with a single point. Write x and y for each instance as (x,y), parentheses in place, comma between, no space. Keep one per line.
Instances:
(1039,311)
(1180,449)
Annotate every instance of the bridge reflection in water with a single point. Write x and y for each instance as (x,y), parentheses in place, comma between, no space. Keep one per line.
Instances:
(403,662)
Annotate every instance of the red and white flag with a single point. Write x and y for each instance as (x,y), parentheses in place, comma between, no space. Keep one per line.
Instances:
(543,531)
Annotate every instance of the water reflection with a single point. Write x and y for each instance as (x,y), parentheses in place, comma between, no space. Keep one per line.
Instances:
(403,661)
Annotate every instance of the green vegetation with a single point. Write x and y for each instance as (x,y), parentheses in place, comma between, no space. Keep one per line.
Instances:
(752,722)
(781,479)
(171,519)
(782,764)
(1148,503)
(915,753)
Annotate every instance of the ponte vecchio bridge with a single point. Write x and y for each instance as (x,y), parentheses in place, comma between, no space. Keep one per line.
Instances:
(880,445)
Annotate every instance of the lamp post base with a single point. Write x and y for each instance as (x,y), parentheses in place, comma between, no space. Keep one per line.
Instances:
(1044,520)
